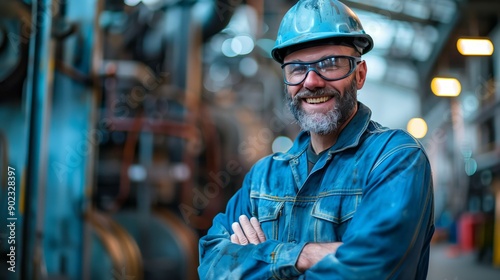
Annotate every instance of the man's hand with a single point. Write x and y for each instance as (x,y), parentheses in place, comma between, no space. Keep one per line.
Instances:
(313,253)
(247,231)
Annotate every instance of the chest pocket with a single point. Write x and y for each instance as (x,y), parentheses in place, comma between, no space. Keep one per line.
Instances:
(333,213)
(268,213)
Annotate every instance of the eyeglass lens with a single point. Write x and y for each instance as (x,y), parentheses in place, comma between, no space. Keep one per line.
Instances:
(331,68)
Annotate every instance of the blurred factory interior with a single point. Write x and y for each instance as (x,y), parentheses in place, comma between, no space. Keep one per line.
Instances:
(127,125)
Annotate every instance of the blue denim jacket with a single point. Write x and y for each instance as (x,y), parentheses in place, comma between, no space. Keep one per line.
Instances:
(372,191)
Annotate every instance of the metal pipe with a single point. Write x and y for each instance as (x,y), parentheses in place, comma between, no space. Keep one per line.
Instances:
(97,55)
(217,16)
(38,109)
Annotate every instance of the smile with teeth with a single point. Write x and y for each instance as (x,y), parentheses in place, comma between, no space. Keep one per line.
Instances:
(318,100)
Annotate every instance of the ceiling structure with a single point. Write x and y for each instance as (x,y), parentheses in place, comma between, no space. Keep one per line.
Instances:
(409,34)
(413,35)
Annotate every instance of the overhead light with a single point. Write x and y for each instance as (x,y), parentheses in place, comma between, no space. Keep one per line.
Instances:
(475,46)
(446,87)
(417,127)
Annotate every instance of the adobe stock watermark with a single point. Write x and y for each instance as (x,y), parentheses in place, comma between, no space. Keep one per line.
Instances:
(29,24)
(76,153)
(202,196)
(265,136)
(485,89)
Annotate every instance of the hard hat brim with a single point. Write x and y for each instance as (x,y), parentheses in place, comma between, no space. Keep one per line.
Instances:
(363,43)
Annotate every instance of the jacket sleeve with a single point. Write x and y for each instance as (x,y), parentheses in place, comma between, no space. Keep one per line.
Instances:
(393,222)
(221,259)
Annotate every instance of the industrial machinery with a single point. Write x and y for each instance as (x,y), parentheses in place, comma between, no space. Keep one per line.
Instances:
(126,125)
(117,157)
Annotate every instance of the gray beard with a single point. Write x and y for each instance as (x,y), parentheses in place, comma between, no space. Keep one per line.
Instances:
(324,123)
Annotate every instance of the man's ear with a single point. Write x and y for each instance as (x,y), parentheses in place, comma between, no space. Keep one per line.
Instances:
(361,71)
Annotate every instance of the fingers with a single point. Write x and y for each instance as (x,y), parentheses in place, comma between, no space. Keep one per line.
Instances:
(234,239)
(256,225)
(239,233)
(247,231)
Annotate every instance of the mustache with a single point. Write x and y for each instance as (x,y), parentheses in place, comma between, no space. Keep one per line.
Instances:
(305,93)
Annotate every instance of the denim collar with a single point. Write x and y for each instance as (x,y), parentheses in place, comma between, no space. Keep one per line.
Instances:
(349,137)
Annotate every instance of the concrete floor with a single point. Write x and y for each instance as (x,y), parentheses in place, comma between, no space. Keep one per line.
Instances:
(446,263)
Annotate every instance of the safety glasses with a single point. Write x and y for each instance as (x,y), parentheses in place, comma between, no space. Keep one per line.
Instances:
(331,68)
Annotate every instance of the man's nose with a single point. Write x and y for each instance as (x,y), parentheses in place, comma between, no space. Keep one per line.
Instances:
(313,80)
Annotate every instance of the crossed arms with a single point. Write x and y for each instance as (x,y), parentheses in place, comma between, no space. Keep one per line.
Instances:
(249,232)
(387,238)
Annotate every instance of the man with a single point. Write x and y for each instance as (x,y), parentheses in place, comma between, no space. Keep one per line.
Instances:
(351,199)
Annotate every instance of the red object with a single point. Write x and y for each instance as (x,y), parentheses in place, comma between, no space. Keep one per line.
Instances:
(467,231)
